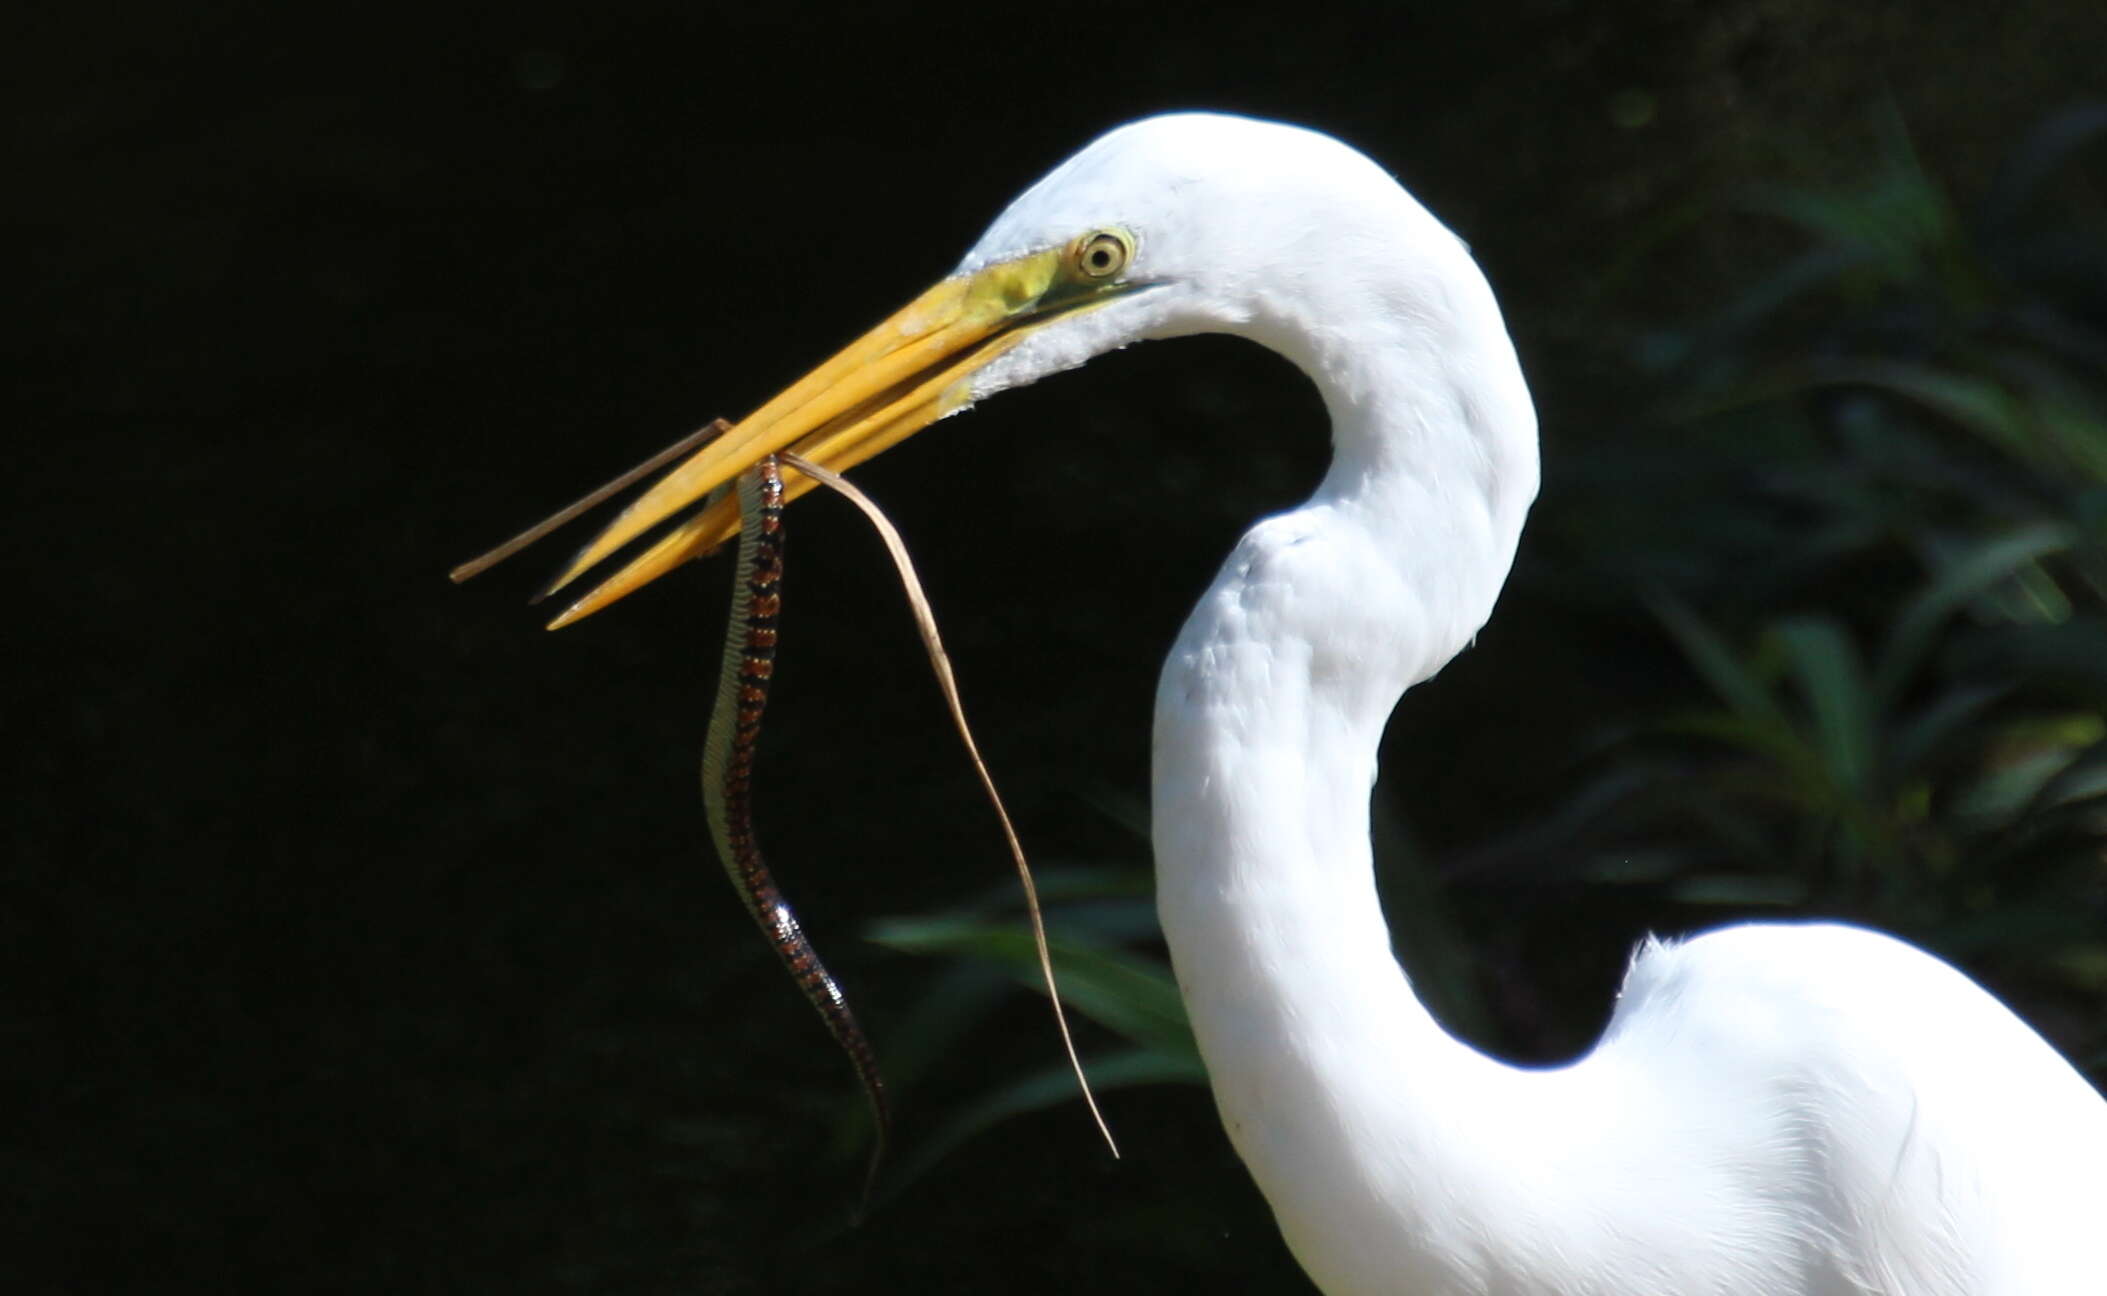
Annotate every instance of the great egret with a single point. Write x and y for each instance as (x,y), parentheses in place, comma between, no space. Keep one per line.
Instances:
(1774,1109)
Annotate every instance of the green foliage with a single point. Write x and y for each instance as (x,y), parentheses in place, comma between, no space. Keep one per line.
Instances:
(1907,723)
(1092,914)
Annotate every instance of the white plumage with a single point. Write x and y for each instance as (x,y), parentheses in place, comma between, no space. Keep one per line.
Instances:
(1775,1109)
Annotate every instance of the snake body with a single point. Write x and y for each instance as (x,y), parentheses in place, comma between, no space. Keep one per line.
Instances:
(728,765)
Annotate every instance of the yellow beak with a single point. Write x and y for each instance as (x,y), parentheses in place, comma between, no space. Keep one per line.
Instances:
(884,387)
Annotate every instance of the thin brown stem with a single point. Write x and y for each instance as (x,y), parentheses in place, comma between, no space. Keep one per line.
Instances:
(940,662)
(477,566)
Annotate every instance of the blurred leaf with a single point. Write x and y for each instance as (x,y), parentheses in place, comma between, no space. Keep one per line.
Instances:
(1979,404)
(1827,666)
(1948,721)
(1035,1092)
(1740,689)
(1119,991)
(1991,561)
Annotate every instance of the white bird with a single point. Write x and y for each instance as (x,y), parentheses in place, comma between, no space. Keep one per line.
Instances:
(1775,1109)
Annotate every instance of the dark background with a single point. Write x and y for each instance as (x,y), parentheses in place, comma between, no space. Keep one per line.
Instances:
(360,936)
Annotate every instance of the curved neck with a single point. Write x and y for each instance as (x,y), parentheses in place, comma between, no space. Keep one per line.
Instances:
(1334,1082)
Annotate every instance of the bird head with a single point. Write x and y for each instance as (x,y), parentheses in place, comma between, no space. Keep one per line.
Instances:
(1185,223)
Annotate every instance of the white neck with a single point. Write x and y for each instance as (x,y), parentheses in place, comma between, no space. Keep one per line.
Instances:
(1338,1088)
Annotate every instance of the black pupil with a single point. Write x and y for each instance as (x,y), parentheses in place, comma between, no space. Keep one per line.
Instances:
(1100,257)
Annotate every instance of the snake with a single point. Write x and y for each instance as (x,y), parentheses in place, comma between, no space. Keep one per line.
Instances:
(743,680)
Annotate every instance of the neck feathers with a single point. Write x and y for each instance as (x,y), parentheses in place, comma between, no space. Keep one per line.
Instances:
(1331,1077)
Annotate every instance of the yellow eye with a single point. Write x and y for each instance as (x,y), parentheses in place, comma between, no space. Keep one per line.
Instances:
(1103,254)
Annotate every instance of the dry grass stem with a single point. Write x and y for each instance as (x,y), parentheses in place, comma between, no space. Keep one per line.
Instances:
(940,662)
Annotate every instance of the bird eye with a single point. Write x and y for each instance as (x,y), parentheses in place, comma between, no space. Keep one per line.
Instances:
(1103,254)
